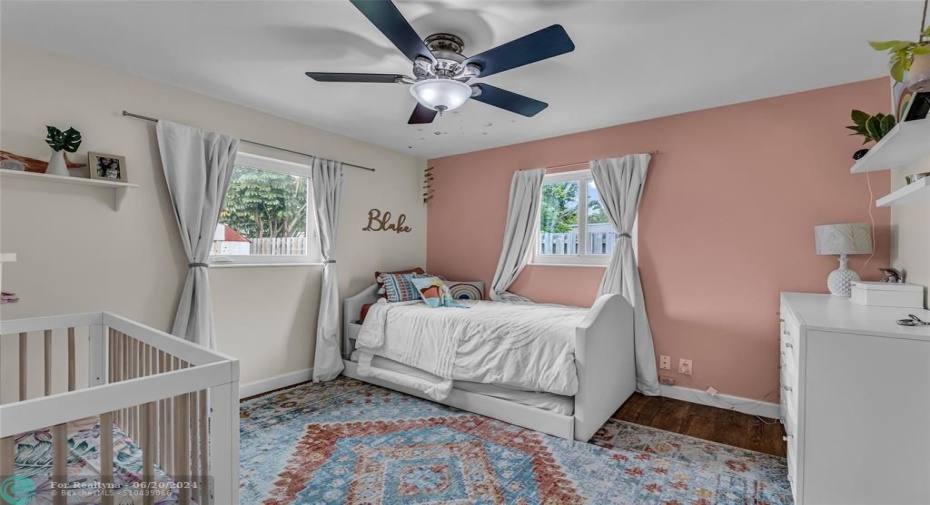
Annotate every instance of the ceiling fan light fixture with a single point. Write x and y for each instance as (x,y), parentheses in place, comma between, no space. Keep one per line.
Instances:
(441,94)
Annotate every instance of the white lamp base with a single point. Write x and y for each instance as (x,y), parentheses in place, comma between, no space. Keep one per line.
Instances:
(839,281)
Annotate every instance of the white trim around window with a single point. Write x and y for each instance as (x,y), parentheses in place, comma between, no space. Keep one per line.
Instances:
(581,258)
(312,256)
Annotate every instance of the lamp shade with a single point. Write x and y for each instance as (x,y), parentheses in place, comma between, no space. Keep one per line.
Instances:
(846,238)
(441,94)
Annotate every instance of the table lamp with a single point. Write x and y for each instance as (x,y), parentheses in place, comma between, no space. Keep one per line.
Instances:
(843,239)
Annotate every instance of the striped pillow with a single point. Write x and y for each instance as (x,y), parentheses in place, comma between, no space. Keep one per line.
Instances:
(398,288)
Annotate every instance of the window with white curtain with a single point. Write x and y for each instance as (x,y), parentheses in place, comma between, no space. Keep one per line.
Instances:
(573,227)
(267,218)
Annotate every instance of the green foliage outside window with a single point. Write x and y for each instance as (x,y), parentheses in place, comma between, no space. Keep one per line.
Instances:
(559,208)
(266,204)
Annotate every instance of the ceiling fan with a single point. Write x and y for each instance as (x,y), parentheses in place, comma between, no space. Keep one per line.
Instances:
(441,71)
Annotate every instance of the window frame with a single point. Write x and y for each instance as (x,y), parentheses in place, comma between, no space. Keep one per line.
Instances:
(581,259)
(313,256)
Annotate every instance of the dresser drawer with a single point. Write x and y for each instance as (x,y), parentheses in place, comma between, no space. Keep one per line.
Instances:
(789,392)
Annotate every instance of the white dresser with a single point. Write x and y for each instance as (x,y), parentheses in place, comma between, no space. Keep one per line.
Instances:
(855,402)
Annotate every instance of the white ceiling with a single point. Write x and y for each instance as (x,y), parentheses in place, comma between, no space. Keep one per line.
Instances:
(633,60)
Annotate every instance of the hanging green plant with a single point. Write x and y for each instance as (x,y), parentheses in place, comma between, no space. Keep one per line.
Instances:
(872,128)
(68,140)
(903,52)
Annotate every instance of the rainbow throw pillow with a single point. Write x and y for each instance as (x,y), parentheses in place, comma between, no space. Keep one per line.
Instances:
(434,292)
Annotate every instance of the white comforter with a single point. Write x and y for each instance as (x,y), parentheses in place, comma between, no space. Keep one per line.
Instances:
(522,346)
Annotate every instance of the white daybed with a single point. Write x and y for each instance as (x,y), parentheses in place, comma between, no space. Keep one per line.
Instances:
(122,413)
(604,360)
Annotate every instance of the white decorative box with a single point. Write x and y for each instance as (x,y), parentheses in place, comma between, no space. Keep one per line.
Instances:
(888,294)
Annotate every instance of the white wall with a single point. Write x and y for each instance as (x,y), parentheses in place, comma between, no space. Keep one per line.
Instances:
(910,231)
(77,254)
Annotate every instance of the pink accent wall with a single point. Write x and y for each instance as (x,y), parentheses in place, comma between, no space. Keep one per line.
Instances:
(726,223)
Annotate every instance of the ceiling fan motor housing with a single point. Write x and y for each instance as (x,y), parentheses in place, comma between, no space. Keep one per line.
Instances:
(447,49)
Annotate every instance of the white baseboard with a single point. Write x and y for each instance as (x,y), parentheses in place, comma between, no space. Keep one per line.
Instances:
(739,404)
(276,382)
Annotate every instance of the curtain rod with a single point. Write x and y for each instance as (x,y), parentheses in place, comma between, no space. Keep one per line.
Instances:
(146,118)
(566,165)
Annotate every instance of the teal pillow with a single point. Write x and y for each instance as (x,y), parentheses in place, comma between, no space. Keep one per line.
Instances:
(434,292)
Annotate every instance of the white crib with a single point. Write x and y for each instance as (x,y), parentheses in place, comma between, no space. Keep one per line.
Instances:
(176,401)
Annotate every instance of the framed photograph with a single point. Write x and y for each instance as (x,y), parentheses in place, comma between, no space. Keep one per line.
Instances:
(107,166)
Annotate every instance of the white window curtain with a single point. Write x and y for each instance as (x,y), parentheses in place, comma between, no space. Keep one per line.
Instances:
(198,166)
(619,182)
(326,184)
(521,228)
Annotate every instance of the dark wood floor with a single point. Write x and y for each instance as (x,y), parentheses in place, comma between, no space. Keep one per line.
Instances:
(708,423)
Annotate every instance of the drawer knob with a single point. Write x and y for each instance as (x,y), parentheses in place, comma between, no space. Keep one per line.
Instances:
(789,345)
(787,388)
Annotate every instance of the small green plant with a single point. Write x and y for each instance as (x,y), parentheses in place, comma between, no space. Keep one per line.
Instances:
(871,127)
(902,52)
(68,140)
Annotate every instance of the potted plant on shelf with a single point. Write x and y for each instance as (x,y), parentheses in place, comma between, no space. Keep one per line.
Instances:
(871,128)
(60,142)
(910,59)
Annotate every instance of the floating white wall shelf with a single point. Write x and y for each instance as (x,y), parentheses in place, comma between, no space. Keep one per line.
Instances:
(119,188)
(916,192)
(904,144)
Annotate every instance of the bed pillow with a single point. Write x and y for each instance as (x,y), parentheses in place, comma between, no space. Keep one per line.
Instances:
(460,290)
(378,275)
(434,292)
(397,287)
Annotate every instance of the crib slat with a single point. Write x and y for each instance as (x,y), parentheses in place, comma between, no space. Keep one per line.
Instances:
(106,456)
(60,461)
(204,451)
(72,373)
(7,453)
(117,367)
(162,420)
(48,362)
(183,448)
(133,411)
(23,359)
(195,445)
(148,449)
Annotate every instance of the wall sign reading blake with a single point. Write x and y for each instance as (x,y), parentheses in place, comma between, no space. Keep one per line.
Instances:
(382,222)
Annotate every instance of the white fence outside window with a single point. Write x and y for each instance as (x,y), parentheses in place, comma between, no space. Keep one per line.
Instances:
(566,244)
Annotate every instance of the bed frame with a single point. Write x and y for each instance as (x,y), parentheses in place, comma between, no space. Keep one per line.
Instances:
(178,401)
(604,359)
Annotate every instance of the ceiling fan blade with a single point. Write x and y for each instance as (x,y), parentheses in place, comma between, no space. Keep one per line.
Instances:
(545,43)
(340,77)
(422,115)
(385,16)
(508,100)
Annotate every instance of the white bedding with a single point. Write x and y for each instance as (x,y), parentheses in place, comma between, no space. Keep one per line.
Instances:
(522,346)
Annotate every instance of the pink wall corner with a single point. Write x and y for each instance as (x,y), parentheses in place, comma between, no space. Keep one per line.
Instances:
(726,222)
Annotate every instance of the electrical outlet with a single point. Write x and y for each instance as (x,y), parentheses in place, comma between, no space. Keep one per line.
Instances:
(684,366)
(665,362)
(711,391)
(668,381)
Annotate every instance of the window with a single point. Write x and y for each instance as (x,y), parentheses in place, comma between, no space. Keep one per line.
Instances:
(574,229)
(267,217)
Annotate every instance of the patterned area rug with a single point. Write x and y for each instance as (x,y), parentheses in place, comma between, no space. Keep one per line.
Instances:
(349,442)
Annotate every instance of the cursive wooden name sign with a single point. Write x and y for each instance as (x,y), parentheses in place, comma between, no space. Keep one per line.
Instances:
(382,222)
